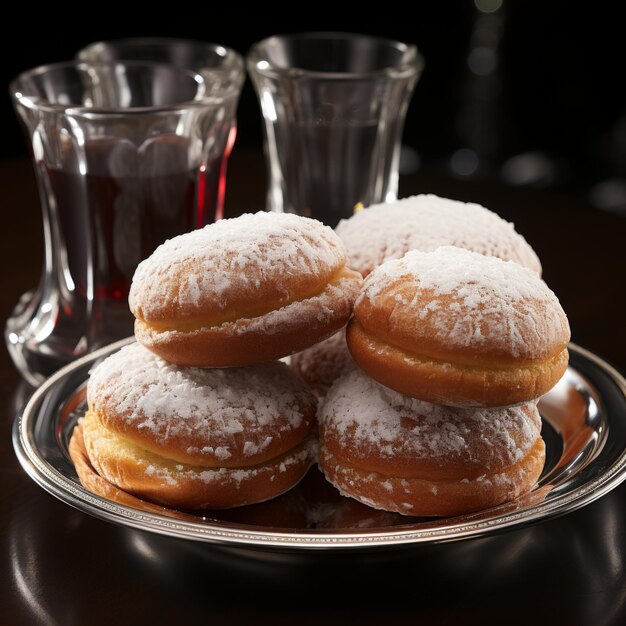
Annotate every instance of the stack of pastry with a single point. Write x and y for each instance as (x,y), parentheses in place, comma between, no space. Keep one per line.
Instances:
(453,348)
(198,413)
(435,409)
(456,337)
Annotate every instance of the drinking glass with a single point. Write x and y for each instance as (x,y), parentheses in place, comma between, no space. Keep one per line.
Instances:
(121,153)
(223,71)
(334,106)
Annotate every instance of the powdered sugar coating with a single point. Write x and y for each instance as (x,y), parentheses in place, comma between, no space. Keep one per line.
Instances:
(426,222)
(319,310)
(231,476)
(233,258)
(273,335)
(212,414)
(321,364)
(427,497)
(467,300)
(159,479)
(363,415)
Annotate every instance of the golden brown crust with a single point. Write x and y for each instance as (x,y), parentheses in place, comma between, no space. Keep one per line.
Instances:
(236,265)
(426,497)
(389,321)
(455,327)
(93,482)
(414,433)
(271,336)
(184,448)
(405,455)
(244,303)
(242,291)
(166,482)
(234,417)
(452,382)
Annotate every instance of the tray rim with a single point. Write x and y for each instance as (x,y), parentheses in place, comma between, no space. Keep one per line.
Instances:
(226,533)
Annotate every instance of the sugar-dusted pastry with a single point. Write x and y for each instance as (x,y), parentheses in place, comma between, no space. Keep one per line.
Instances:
(198,438)
(458,328)
(241,291)
(426,222)
(404,455)
(322,364)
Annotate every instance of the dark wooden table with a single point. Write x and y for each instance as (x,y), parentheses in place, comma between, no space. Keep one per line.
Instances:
(60,566)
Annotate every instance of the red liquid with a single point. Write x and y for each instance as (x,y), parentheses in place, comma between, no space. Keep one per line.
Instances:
(127,203)
(106,221)
(110,224)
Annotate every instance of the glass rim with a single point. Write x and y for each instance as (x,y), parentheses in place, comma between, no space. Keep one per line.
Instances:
(411,64)
(42,104)
(227,53)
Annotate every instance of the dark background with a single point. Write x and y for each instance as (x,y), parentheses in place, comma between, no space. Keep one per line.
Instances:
(552,113)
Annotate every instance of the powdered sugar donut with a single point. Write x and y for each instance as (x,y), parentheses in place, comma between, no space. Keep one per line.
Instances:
(426,222)
(242,291)
(458,328)
(197,438)
(401,454)
(322,364)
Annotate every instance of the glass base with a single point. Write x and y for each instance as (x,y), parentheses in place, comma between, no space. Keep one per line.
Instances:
(41,337)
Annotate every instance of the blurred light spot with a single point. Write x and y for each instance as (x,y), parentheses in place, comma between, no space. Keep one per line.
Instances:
(37,143)
(268,106)
(27,102)
(610,195)
(464,162)
(145,550)
(262,65)
(530,168)
(45,331)
(487,6)
(13,338)
(69,282)
(482,60)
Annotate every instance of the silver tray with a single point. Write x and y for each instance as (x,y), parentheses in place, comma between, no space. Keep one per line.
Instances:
(584,426)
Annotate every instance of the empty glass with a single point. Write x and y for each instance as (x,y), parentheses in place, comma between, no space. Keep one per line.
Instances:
(334,106)
(121,153)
